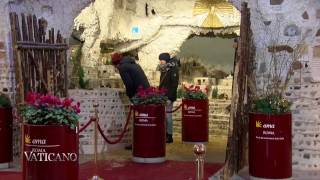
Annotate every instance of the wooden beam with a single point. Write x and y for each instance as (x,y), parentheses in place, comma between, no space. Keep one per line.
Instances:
(38,71)
(34,45)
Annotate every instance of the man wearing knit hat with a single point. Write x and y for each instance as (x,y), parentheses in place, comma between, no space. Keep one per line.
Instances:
(131,73)
(169,79)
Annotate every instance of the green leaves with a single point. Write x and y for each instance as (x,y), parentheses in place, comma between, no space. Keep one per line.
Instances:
(49,116)
(273,104)
(4,101)
(194,95)
(194,92)
(154,99)
(179,93)
(215,93)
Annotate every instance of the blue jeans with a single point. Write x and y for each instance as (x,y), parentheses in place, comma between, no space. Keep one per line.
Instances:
(169,107)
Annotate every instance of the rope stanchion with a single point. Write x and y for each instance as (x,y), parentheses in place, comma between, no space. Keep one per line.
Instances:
(177,108)
(122,133)
(86,125)
(95,141)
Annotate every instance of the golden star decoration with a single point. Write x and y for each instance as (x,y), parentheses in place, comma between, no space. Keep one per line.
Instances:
(213,8)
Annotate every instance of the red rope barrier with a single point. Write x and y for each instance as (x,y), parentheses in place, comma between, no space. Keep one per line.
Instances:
(122,133)
(86,125)
(175,109)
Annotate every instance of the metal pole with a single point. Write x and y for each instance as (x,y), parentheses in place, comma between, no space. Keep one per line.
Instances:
(199,151)
(96,133)
(96,177)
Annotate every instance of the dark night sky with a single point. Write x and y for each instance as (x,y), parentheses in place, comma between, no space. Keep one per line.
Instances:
(213,51)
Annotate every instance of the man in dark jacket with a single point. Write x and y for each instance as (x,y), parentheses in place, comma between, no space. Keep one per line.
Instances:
(169,79)
(131,73)
(132,76)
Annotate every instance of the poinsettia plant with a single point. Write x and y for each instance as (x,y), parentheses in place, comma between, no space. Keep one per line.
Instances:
(151,95)
(50,110)
(194,92)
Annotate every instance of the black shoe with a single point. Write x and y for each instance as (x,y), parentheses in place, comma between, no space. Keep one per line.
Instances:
(128,147)
(169,138)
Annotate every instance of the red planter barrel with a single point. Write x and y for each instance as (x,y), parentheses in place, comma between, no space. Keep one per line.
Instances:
(149,132)
(270,151)
(195,124)
(6,135)
(50,152)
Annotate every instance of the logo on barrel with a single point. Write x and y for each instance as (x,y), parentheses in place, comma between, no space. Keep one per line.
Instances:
(41,151)
(258,124)
(185,107)
(265,126)
(27,139)
(141,114)
(45,156)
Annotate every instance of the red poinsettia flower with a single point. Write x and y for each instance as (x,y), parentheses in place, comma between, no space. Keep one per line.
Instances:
(151,95)
(31,98)
(194,92)
(49,109)
(77,107)
(142,93)
(67,102)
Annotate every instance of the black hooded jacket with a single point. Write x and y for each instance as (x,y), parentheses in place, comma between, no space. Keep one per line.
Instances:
(169,79)
(132,76)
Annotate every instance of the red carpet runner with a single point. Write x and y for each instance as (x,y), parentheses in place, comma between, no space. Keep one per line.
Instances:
(114,170)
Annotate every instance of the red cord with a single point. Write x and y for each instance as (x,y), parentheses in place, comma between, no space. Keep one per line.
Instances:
(122,133)
(120,137)
(86,125)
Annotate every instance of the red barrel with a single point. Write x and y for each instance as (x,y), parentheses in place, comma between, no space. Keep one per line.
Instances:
(50,152)
(149,132)
(6,135)
(195,124)
(270,150)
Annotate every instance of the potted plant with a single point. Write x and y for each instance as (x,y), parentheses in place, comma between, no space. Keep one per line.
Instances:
(50,139)
(149,129)
(5,129)
(270,137)
(195,106)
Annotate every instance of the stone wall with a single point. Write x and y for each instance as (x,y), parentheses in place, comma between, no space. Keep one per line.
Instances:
(113,110)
